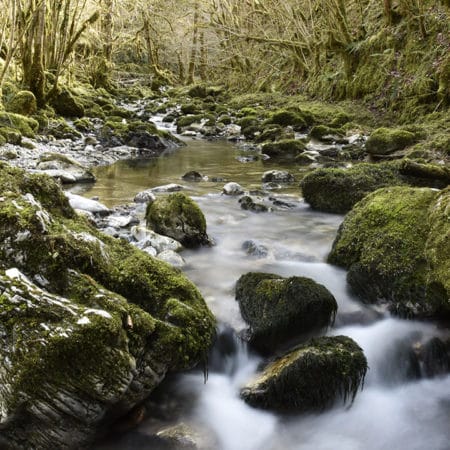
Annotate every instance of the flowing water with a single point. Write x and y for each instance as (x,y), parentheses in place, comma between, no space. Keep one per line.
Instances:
(392,411)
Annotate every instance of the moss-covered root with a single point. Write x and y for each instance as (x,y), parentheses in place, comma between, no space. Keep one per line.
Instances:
(395,244)
(178,217)
(281,309)
(310,377)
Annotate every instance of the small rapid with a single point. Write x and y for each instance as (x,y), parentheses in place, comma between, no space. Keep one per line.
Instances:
(397,409)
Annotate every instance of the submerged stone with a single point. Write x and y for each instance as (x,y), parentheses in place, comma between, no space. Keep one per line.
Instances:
(281,309)
(310,377)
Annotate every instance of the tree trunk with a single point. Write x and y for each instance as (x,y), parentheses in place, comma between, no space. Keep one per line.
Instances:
(193,57)
(37,76)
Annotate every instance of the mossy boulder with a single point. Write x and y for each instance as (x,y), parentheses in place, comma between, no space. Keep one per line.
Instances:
(326,133)
(384,141)
(25,125)
(23,102)
(310,377)
(338,190)
(67,105)
(136,133)
(284,149)
(178,217)
(11,135)
(395,244)
(90,325)
(284,117)
(279,309)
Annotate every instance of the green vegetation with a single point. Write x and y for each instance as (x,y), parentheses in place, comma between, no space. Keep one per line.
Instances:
(395,246)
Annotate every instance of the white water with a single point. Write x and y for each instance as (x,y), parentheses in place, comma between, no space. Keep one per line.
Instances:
(390,413)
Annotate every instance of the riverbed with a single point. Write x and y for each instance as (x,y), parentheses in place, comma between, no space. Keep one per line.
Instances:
(394,410)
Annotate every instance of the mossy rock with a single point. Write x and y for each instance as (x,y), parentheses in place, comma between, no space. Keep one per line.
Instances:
(11,135)
(338,190)
(309,378)
(271,132)
(178,217)
(25,125)
(395,244)
(24,103)
(279,309)
(67,105)
(94,327)
(284,117)
(60,129)
(192,108)
(384,141)
(284,149)
(326,133)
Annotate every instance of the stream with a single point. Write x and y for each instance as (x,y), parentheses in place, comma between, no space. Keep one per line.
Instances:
(392,411)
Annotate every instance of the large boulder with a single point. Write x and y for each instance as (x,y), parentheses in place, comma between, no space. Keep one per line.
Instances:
(310,377)
(395,244)
(337,190)
(178,217)
(89,324)
(385,141)
(279,309)
(67,105)
(64,169)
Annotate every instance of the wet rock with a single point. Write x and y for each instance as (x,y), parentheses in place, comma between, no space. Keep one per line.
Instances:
(179,436)
(310,377)
(327,134)
(435,357)
(248,204)
(99,332)
(233,189)
(395,246)
(280,309)
(171,187)
(252,248)
(172,258)
(86,204)
(279,176)
(64,168)
(178,217)
(148,238)
(145,197)
(192,175)
(284,149)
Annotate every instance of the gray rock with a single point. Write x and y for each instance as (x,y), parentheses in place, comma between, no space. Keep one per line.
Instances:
(280,176)
(233,189)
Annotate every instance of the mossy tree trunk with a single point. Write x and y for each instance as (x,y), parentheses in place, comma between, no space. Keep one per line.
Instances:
(193,56)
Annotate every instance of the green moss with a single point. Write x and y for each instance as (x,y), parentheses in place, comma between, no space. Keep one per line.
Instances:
(280,309)
(384,141)
(179,217)
(11,135)
(321,131)
(25,125)
(67,105)
(383,243)
(23,102)
(338,190)
(284,149)
(285,118)
(310,377)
